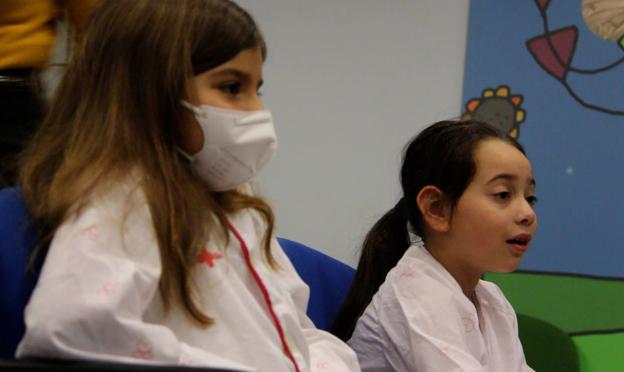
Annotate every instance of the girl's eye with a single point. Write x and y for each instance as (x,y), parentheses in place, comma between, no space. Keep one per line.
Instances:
(503,195)
(532,200)
(231,88)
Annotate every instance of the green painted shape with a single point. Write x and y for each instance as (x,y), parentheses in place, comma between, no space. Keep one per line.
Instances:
(601,352)
(574,304)
(621,42)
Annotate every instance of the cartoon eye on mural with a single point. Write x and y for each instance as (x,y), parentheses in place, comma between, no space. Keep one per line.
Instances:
(499,108)
(554,50)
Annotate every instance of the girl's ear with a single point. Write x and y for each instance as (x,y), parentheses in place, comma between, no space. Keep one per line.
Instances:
(434,208)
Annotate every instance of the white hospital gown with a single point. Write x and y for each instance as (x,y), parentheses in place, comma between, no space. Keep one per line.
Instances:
(97,298)
(421,321)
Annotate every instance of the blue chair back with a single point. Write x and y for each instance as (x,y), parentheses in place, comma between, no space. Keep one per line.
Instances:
(17,239)
(329,281)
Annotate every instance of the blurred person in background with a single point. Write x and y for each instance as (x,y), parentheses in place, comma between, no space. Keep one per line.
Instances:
(28,32)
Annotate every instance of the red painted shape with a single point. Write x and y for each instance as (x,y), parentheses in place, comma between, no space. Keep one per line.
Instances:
(542,4)
(563,41)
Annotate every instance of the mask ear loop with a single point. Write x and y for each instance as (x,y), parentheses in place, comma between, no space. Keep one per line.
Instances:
(189,106)
(188,157)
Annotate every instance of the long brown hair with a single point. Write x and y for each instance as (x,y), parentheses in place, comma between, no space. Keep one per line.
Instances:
(116,110)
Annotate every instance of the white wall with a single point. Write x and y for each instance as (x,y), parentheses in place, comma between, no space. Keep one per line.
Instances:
(349,83)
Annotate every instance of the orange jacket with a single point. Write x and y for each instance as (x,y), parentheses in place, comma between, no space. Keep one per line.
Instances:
(27,28)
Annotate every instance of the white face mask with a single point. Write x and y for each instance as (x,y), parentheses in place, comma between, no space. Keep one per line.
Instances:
(237,145)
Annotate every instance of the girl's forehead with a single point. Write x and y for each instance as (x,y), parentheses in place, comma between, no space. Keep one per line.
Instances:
(495,157)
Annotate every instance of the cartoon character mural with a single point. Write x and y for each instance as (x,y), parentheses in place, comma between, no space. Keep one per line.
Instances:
(554,50)
(499,108)
(569,70)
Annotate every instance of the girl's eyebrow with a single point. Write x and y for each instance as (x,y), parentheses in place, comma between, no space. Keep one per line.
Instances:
(231,71)
(510,177)
(227,72)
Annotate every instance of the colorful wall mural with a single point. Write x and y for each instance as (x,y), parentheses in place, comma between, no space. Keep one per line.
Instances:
(536,70)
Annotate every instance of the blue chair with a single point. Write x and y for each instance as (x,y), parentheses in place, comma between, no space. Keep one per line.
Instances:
(329,281)
(17,239)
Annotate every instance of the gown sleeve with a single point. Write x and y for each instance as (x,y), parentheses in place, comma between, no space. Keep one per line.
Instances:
(100,275)
(420,336)
(517,345)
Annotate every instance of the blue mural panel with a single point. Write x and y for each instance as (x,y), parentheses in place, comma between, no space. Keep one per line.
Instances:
(535,69)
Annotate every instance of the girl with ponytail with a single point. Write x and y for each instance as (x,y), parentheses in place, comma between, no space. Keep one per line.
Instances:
(417,302)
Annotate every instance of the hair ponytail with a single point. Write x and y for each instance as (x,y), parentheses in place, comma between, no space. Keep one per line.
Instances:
(382,249)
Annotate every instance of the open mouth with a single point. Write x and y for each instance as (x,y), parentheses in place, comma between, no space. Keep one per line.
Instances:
(519,243)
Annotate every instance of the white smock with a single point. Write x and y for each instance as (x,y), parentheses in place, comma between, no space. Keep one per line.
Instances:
(421,321)
(97,298)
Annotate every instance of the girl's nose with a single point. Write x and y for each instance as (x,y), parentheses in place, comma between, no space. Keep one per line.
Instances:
(527,214)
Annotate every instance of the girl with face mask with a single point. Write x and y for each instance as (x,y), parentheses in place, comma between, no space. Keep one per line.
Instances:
(155,250)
